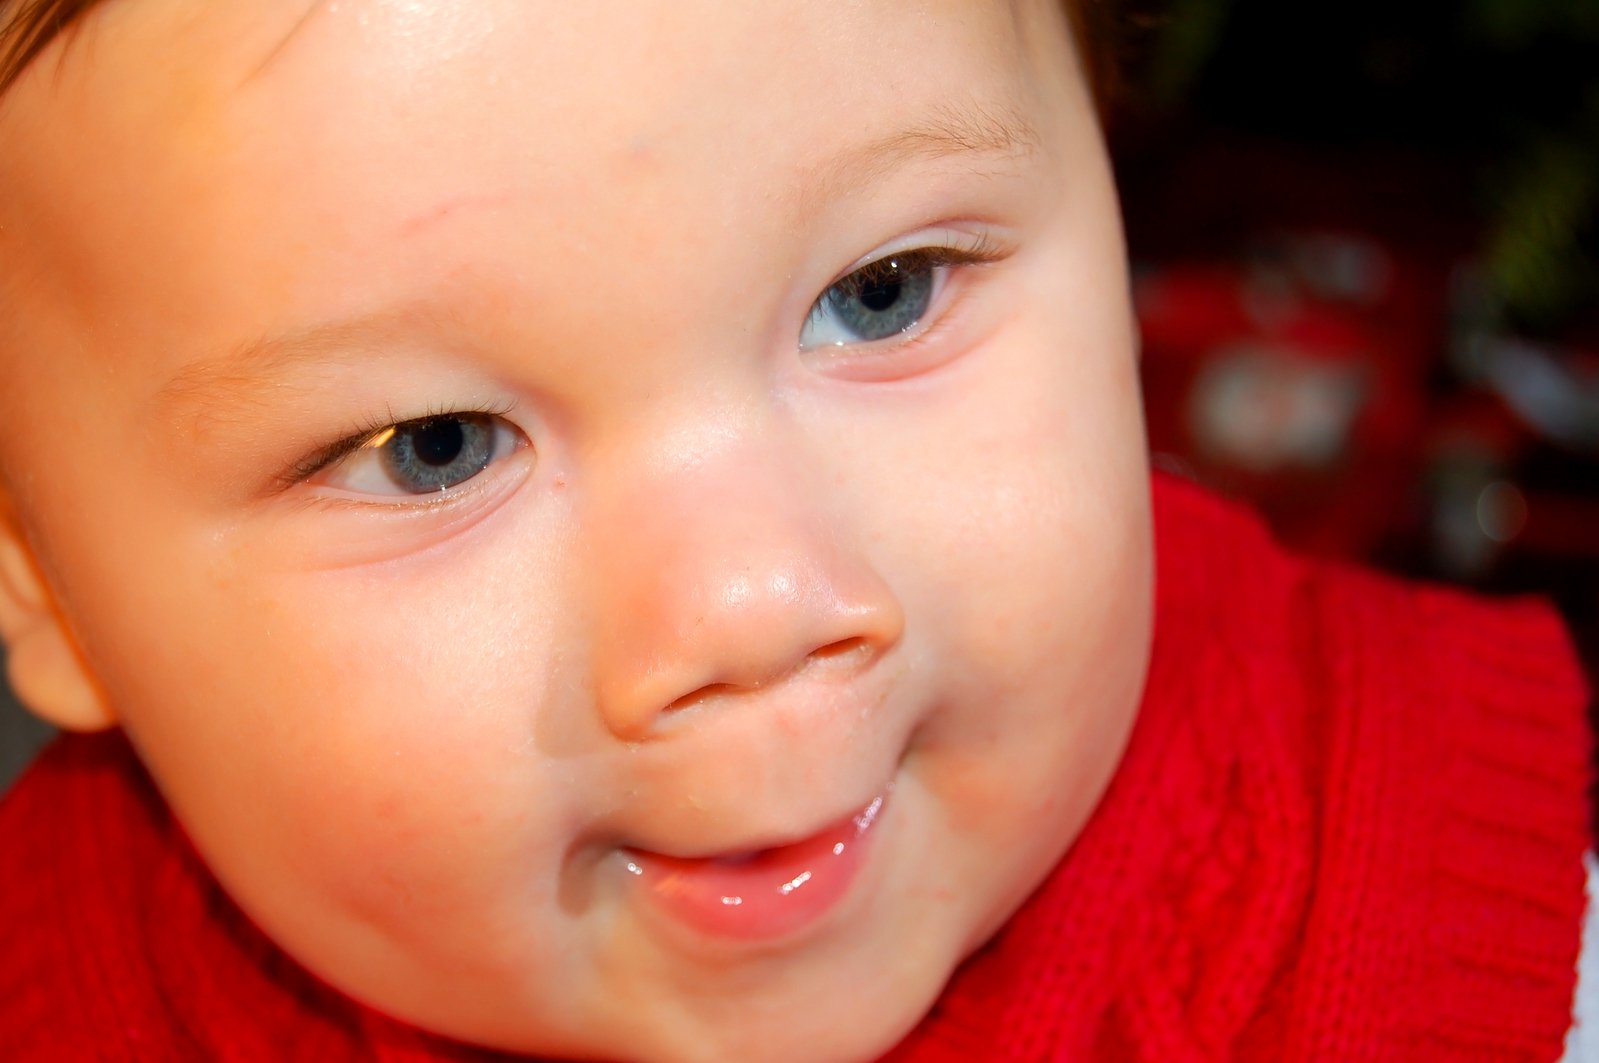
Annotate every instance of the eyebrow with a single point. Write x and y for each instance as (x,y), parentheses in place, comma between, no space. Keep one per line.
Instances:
(215,388)
(954,130)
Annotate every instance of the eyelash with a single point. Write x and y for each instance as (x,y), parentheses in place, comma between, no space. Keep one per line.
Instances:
(937,256)
(979,250)
(335,452)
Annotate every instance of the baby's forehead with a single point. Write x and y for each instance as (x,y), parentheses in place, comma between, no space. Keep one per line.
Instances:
(247,153)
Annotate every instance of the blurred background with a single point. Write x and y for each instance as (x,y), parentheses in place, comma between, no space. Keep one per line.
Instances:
(1366,246)
(1364,237)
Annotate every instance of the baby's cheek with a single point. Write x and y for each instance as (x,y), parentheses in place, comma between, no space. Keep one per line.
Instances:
(1049,619)
(408,748)
(422,841)
(402,849)
(365,757)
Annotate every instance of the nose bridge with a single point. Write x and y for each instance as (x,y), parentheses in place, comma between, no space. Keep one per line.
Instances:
(722,569)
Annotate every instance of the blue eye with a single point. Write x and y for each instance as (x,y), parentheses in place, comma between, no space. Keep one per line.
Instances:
(879,300)
(424,456)
(438,453)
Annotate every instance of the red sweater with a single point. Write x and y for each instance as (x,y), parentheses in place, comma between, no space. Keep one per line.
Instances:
(1348,827)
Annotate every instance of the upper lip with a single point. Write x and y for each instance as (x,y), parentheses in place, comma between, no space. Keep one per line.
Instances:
(745,786)
(752,845)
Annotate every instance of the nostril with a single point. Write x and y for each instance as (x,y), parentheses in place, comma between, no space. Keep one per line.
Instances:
(838,660)
(704,693)
(846,652)
(841,648)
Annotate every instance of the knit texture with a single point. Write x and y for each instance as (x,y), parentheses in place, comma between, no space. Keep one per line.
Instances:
(1348,827)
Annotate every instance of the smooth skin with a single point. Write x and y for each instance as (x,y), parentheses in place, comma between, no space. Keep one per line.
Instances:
(720,583)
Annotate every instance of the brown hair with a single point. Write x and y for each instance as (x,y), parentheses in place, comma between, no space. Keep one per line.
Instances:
(28,26)
(1097,31)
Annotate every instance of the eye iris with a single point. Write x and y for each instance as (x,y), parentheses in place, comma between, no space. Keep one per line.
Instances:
(439,452)
(883,299)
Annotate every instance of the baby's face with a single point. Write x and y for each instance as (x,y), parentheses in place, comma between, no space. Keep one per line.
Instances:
(725,642)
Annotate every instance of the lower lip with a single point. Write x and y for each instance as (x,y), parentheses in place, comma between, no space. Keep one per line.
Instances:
(760,896)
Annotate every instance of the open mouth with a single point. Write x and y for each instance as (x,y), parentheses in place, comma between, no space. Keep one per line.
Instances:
(761,894)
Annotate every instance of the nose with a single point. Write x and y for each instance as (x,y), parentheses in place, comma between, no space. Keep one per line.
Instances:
(722,578)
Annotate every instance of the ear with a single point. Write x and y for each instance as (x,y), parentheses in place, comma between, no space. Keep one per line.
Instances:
(47,672)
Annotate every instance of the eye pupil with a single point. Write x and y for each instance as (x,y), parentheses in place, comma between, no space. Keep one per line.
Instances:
(438,442)
(880,296)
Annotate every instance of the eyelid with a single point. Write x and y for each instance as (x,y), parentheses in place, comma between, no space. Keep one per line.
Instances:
(460,496)
(374,432)
(888,359)
(956,247)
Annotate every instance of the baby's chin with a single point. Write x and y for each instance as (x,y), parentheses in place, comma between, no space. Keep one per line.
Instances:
(861,1028)
(837,1012)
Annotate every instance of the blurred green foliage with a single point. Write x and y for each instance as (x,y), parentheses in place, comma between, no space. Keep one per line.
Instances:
(1517,23)
(1540,252)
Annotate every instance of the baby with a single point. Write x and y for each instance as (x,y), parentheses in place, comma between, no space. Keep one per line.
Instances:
(620,530)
